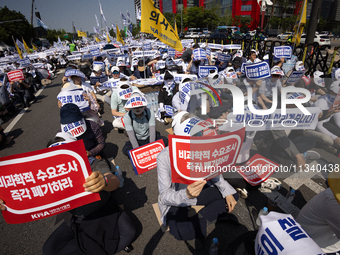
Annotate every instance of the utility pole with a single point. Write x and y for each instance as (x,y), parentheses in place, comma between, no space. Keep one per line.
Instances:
(313,21)
(32,13)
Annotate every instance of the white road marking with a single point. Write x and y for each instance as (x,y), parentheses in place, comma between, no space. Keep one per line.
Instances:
(21,113)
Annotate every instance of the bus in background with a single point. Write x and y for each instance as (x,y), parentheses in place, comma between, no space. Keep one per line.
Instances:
(224,29)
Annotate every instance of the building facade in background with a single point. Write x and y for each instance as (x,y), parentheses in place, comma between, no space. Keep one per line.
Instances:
(175,6)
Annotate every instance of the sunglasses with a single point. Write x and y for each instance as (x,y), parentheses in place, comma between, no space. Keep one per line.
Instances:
(115,72)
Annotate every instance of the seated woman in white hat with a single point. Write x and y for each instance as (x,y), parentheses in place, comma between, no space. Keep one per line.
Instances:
(140,123)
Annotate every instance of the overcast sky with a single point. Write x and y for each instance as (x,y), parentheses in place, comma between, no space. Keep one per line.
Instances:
(59,14)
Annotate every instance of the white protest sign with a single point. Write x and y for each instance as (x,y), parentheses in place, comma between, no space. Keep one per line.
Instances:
(294,119)
(199,54)
(295,76)
(148,53)
(232,47)
(74,57)
(282,235)
(75,97)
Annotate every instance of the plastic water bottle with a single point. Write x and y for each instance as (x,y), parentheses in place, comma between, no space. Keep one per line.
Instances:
(120,177)
(264,211)
(290,196)
(304,155)
(213,250)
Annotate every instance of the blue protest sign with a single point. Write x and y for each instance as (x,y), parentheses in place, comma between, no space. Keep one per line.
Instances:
(295,76)
(87,56)
(232,47)
(168,110)
(74,72)
(199,54)
(223,57)
(24,62)
(203,71)
(94,80)
(257,71)
(208,52)
(283,52)
(95,53)
(171,52)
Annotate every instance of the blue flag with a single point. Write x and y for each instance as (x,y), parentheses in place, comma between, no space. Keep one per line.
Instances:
(41,24)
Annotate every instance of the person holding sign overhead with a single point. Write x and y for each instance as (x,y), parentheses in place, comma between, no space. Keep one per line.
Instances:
(140,123)
(174,199)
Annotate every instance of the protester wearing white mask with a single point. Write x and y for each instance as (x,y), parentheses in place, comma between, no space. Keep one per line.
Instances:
(140,123)
(166,93)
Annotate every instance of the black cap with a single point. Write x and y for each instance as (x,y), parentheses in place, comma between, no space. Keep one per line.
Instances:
(70,113)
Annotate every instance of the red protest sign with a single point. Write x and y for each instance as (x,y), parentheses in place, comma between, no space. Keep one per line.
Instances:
(179,53)
(144,158)
(15,75)
(257,169)
(43,183)
(196,158)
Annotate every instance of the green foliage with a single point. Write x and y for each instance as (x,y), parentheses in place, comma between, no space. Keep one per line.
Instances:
(52,35)
(15,29)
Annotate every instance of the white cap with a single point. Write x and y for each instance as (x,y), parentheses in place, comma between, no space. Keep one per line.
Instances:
(188,127)
(97,68)
(337,74)
(124,93)
(276,70)
(68,138)
(299,66)
(165,55)
(135,100)
(320,81)
(335,86)
(114,68)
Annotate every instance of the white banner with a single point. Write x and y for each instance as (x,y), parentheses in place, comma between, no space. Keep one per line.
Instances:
(75,97)
(294,119)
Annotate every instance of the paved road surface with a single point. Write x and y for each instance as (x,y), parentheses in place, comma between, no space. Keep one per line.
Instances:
(40,122)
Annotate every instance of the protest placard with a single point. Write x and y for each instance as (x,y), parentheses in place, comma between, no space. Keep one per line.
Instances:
(43,183)
(199,54)
(294,119)
(203,71)
(295,76)
(101,79)
(283,52)
(257,169)
(257,71)
(24,62)
(196,158)
(15,75)
(144,158)
(76,97)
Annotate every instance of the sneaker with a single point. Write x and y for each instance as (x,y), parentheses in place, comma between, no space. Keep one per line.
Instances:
(271,184)
(311,155)
(243,193)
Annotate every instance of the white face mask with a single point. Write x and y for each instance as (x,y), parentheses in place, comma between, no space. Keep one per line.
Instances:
(168,82)
(138,111)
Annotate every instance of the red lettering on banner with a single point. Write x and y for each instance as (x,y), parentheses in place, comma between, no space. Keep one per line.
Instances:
(77,131)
